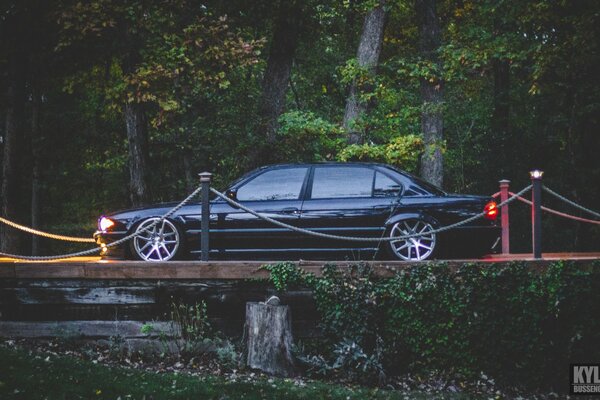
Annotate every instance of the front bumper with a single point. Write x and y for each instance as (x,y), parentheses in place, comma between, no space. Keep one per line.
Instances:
(104,238)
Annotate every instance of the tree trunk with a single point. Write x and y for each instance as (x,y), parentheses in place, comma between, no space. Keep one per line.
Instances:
(35,168)
(10,240)
(279,66)
(367,55)
(269,332)
(191,179)
(276,80)
(500,115)
(432,94)
(137,135)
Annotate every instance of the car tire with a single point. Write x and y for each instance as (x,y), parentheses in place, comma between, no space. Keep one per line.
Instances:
(412,249)
(163,242)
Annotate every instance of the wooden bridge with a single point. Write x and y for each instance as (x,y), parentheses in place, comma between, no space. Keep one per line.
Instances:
(89,298)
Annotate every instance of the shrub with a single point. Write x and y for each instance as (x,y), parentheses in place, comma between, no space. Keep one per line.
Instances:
(516,322)
(401,151)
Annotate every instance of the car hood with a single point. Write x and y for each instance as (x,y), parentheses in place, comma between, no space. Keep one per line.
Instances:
(154,209)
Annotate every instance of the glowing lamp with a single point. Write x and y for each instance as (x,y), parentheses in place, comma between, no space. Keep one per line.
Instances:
(536,174)
(105,223)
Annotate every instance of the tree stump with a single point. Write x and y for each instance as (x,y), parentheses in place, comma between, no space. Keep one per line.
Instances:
(269,333)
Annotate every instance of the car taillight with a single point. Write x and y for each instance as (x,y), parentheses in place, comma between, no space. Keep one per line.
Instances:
(491,210)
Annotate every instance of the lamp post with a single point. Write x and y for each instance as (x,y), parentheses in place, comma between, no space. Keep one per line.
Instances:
(205,217)
(504,188)
(536,212)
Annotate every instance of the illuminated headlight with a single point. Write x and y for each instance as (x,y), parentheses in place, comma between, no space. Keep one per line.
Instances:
(105,223)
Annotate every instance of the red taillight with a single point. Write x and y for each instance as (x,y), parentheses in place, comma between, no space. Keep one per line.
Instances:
(491,210)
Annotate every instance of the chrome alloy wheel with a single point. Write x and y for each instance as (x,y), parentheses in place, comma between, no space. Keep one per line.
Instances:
(416,248)
(159,243)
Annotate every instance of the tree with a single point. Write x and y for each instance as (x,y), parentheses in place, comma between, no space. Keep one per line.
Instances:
(367,57)
(276,78)
(166,56)
(432,93)
(14,26)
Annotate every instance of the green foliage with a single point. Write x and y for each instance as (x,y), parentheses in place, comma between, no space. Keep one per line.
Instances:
(302,136)
(198,70)
(286,274)
(192,320)
(402,151)
(517,323)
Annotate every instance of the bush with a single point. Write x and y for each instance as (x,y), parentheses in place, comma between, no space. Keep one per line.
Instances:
(303,137)
(401,151)
(516,322)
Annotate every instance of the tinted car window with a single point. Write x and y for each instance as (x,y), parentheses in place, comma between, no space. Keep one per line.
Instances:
(332,182)
(278,184)
(385,186)
(416,191)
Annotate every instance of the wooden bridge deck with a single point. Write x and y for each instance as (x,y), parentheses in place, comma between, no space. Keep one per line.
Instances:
(95,268)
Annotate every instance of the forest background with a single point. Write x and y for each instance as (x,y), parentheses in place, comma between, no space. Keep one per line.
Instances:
(107,104)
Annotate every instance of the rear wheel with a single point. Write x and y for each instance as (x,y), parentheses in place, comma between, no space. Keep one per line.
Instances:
(157,240)
(415,248)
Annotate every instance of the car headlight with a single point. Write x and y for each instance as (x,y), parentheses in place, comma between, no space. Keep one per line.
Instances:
(105,223)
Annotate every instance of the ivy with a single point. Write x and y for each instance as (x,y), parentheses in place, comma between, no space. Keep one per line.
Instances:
(514,322)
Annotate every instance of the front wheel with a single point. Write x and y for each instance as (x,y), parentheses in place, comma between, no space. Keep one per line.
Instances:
(157,240)
(415,248)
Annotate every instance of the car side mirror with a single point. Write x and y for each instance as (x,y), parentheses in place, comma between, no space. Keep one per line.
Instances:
(231,194)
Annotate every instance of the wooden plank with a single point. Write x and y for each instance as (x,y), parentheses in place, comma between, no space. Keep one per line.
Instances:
(49,270)
(220,270)
(74,295)
(83,329)
(82,312)
(176,270)
(7,270)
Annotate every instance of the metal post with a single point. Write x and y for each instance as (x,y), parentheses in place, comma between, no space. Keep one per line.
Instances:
(504,188)
(536,212)
(205,221)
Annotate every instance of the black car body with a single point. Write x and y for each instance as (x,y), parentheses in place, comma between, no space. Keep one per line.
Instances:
(348,199)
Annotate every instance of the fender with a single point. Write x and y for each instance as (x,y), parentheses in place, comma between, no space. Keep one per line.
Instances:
(409,215)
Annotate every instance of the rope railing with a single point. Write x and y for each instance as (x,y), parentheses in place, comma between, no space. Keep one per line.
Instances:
(359,239)
(570,202)
(313,232)
(115,243)
(45,234)
(555,212)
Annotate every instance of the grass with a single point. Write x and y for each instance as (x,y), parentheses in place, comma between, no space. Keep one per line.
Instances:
(25,375)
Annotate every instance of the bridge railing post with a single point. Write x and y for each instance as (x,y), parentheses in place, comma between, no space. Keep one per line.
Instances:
(205,216)
(504,220)
(536,212)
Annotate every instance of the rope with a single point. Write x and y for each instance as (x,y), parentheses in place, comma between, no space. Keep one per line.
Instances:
(359,239)
(560,214)
(558,196)
(45,234)
(115,243)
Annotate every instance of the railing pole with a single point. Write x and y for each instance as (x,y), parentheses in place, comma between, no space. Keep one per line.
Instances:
(536,212)
(504,188)
(205,222)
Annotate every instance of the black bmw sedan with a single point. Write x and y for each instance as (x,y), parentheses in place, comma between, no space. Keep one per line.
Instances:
(362,200)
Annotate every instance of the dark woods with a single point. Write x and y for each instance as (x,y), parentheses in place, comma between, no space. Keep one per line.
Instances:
(106,104)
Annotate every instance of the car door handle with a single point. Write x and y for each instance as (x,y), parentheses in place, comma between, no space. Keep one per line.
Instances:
(290,210)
